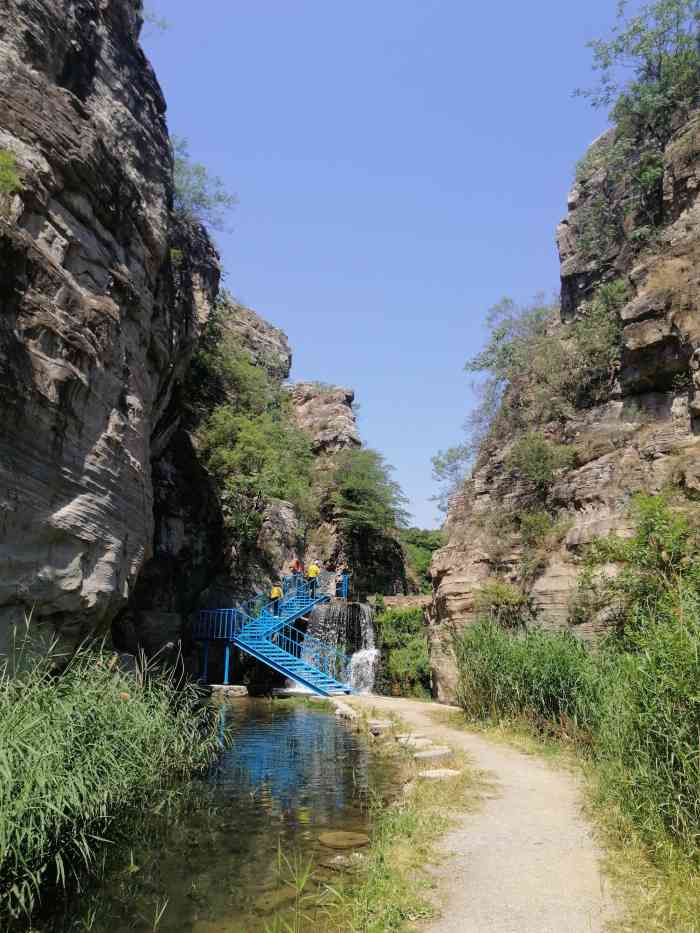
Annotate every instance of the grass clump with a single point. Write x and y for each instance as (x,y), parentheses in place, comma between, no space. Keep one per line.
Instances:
(77,751)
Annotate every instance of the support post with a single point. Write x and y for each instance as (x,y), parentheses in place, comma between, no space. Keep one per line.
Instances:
(227,657)
(205,667)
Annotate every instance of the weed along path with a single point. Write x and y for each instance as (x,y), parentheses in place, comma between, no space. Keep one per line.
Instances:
(525,860)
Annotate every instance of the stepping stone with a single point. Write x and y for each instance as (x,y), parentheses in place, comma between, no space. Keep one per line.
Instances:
(440,751)
(339,839)
(402,736)
(416,743)
(439,774)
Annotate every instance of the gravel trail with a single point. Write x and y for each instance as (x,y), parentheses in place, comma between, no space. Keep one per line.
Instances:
(525,860)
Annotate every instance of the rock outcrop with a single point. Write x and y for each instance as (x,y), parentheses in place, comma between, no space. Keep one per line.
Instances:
(266,345)
(98,321)
(325,414)
(643,436)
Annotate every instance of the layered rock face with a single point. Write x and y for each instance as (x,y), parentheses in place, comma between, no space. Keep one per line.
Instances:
(641,438)
(266,345)
(325,414)
(97,324)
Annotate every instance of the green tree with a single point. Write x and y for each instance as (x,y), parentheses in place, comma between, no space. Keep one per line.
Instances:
(199,195)
(365,499)
(649,75)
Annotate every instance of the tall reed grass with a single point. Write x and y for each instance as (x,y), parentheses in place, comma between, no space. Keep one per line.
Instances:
(79,751)
(633,705)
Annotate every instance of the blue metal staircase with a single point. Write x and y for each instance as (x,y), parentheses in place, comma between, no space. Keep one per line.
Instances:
(273,638)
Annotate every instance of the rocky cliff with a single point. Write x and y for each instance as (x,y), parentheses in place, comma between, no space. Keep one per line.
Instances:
(641,435)
(97,321)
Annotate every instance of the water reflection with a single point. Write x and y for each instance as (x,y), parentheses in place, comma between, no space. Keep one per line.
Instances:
(292,772)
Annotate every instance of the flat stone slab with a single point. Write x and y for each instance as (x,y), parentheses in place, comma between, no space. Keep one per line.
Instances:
(415,743)
(340,839)
(438,774)
(227,691)
(440,751)
(402,736)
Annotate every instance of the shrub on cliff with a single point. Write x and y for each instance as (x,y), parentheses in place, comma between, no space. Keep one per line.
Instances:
(623,174)
(537,460)
(198,194)
(364,497)
(78,754)
(10,182)
(536,369)
(419,545)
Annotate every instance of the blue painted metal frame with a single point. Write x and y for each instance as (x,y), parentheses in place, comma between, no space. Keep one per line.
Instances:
(275,639)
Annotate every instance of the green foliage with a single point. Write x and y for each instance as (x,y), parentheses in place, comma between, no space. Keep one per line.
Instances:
(246,434)
(401,636)
(659,45)
(538,460)
(419,546)
(633,704)
(545,676)
(365,499)
(536,370)
(659,566)
(199,195)
(535,527)
(10,182)
(256,457)
(504,604)
(77,752)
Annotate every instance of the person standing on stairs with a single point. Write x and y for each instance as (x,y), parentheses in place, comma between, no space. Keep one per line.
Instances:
(312,573)
(297,573)
(275,596)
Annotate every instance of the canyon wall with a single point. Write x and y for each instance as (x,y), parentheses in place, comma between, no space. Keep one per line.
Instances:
(641,437)
(97,323)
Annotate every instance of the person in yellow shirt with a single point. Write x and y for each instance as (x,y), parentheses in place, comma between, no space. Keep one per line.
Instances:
(275,595)
(312,574)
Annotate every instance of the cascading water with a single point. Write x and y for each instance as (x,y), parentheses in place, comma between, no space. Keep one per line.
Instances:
(349,627)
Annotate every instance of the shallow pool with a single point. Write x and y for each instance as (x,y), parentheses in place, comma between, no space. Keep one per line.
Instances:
(211,862)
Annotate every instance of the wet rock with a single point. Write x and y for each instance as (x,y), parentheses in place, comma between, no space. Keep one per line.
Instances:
(272,900)
(342,839)
(350,863)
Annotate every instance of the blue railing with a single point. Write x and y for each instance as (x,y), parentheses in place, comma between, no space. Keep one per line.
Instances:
(311,650)
(214,624)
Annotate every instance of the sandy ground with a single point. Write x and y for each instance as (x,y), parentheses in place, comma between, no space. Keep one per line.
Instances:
(525,860)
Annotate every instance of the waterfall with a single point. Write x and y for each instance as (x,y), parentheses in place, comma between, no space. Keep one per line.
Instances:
(349,627)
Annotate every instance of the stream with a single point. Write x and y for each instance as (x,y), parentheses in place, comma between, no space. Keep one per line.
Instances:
(210,863)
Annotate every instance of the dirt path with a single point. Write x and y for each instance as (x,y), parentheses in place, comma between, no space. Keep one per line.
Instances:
(525,861)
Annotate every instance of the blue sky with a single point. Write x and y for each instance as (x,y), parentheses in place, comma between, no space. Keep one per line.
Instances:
(400,166)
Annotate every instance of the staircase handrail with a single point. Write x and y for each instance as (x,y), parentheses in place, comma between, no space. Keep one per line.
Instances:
(219,623)
(296,642)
